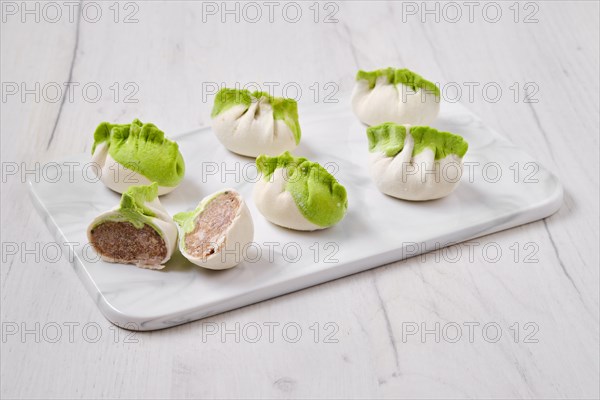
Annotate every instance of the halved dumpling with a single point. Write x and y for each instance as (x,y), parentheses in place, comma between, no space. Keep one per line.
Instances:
(139,231)
(122,242)
(216,233)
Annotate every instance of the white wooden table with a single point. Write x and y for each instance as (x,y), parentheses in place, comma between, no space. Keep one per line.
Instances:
(388,332)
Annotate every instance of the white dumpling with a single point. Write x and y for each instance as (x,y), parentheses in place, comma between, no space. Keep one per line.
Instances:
(395,95)
(136,154)
(299,194)
(415,163)
(255,123)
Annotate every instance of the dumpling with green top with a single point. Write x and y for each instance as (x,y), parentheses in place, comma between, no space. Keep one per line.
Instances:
(254,123)
(136,154)
(215,235)
(395,95)
(138,231)
(415,162)
(299,194)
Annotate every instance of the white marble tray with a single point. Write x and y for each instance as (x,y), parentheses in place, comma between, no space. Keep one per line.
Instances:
(377,229)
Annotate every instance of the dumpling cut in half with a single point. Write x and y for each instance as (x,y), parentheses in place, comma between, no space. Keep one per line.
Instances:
(395,95)
(296,193)
(415,163)
(138,231)
(254,123)
(215,235)
(136,154)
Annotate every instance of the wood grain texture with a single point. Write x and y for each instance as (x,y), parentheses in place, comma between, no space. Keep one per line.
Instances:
(171,54)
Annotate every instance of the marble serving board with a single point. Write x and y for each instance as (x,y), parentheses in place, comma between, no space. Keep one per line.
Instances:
(502,187)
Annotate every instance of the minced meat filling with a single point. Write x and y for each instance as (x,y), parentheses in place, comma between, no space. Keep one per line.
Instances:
(211,224)
(127,244)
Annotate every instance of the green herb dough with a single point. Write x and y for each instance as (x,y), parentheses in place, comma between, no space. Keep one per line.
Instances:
(388,138)
(398,76)
(144,149)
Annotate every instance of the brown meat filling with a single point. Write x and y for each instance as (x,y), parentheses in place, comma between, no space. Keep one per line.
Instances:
(211,224)
(126,244)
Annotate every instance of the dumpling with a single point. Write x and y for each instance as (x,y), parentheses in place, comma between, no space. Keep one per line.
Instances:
(415,163)
(395,95)
(296,193)
(215,235)
(136,154)
(254,123)
(138,231)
